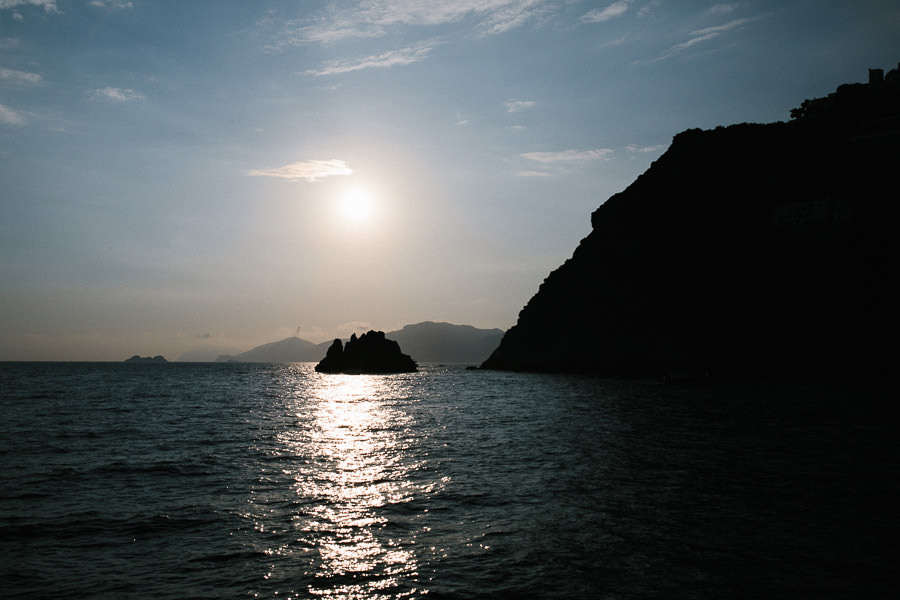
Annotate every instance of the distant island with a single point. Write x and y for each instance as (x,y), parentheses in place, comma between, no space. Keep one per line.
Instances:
(146,359)
(370,353)
(428,341)
(749,250)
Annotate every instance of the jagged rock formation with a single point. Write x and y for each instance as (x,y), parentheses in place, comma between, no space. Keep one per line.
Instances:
(745,250)
(370,353)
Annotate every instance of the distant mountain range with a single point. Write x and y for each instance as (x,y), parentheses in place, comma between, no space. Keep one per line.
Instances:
(292,349)
(425,342)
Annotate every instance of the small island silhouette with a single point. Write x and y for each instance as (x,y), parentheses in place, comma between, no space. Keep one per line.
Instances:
(371,353)
(146,359)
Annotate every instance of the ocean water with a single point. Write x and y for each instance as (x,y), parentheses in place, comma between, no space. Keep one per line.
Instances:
(271,481)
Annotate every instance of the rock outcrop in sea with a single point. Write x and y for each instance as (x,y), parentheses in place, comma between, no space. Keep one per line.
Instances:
(748,250)
(370,353)
(146,359)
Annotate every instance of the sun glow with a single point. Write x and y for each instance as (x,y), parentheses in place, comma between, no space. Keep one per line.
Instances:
(357,205)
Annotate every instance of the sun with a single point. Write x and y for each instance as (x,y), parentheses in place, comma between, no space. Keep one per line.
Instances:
(357,205)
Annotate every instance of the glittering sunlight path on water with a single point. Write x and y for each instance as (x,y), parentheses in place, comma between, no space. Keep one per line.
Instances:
(349,458)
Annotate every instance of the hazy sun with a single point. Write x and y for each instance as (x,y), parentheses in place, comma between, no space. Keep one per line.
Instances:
(357,205)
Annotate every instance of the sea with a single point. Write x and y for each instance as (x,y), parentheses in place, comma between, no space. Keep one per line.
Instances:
(233,480)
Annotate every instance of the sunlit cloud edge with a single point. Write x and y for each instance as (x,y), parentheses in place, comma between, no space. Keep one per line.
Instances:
(310,170)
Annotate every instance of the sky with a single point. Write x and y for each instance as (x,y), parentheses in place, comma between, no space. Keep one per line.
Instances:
(181,176)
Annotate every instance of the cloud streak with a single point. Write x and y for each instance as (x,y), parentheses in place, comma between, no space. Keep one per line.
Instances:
(599,15)
(111,4)
(377,18)
(556,163)
(393,58)
(569,155)
(48,5)
(515,106)
(14,76)
(117,94)
(702,35)
(10,117)
(310,170)
(720,9)
(634,149)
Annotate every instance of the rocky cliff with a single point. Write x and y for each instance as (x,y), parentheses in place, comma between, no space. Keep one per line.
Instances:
(754,249)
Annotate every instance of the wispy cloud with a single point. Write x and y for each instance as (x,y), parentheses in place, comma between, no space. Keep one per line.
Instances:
(310,170)
(48,5)
(112,4)
(717,10)
(117,94)
(702,35)
(376,18)
(569,155)
(634,149)
(14,76)
(505,16)
(556,163)
(515,106)
(730,26)
(599,15)
(392,58)
(10,117)
(648,8)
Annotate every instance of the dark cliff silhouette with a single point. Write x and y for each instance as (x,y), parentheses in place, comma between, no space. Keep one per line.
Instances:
(754,249)
(370,353)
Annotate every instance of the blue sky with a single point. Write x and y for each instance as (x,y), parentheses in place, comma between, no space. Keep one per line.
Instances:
(174,174)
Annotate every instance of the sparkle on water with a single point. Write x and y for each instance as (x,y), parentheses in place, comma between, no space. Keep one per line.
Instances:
(353,463)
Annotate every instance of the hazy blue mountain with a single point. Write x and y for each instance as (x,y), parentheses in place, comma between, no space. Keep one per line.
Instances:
(206,353)
(425,342)
(445,342)
(292,349)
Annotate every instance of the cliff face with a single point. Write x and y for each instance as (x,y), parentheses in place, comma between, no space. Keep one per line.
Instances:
(750,249)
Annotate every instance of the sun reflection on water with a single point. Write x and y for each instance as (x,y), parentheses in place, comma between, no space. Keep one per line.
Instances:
(354,467)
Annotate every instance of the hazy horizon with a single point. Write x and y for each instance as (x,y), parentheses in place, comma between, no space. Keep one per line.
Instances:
(229,174)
